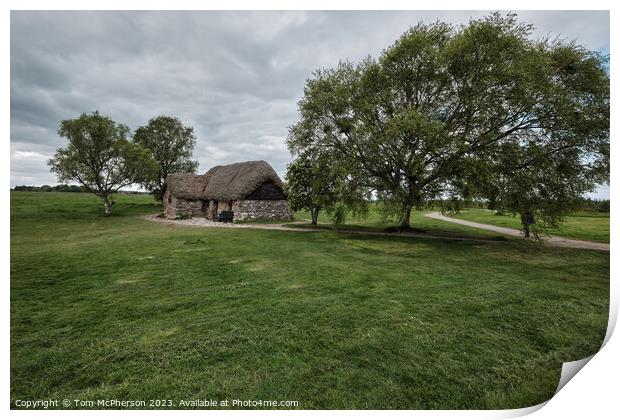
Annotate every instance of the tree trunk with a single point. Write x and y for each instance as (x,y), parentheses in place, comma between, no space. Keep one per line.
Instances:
(314,213)
(107,206)
(527,219)
(405,216)
(162,191)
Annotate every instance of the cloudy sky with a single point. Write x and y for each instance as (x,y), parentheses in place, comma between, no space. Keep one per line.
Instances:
(234,76)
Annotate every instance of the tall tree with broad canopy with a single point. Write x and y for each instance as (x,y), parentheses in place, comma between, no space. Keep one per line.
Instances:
(172,145)
(100,157)
(437,112)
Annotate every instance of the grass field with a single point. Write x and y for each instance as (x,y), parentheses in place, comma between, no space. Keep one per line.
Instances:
(374,223)
(129,309)
(592,226)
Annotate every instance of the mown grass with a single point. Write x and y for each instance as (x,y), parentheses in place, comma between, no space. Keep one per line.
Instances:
(374,222)
(592,226)
(125,308)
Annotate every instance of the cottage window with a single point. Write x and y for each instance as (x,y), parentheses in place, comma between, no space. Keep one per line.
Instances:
(169,199)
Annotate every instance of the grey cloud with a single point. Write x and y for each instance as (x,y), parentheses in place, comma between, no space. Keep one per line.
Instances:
(234,76)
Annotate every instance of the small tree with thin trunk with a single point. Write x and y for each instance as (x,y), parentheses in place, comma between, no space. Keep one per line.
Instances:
(172,145)
(100,157)
(542,188)
(315,182)
(306,186)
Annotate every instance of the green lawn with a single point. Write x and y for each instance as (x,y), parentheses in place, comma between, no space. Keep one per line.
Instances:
(129,309)
(592,226)
(420,223)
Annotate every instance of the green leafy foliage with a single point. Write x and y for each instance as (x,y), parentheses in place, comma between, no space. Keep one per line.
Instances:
(100,157)
(316,182)
(172,145)
(476,111)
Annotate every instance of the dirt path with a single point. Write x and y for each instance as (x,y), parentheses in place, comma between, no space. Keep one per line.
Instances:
(550,240)
(204,223)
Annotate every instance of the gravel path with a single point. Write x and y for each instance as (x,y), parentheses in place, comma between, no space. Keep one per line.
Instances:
(550,240)
(202,222)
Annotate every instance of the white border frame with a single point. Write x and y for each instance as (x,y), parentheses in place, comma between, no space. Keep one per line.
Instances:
(592,393)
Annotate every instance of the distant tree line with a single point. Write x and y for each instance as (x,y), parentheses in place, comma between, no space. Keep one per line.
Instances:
(479,112)
(103,156)
(593,205)
(581,204)
(62,188)
(49,188)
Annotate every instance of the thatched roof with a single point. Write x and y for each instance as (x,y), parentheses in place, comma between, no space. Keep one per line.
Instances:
(231,182)
(187,186)
(223,183)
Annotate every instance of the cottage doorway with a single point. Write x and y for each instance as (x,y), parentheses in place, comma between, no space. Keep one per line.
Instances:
(213,209)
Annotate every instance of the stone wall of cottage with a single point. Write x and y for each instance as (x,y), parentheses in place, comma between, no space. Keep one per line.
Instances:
(177,208)
(261,209)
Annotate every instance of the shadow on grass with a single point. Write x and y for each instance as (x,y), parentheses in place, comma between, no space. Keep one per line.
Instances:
(392,231)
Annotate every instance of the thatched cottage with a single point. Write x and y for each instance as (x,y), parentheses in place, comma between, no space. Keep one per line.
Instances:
(251,190)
